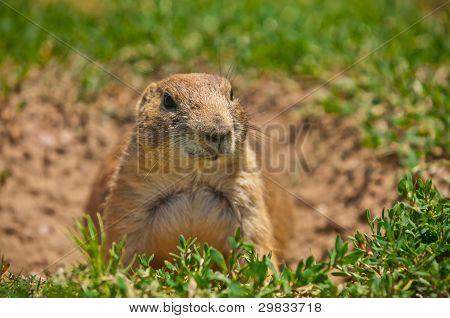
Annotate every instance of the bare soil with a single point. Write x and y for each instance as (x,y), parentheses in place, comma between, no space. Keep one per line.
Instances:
(52,144)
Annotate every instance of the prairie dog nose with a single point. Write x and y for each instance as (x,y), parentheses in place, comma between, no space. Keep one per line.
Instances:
(219,141)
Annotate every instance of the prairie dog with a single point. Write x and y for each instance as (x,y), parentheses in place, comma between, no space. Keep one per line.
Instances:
(188,168)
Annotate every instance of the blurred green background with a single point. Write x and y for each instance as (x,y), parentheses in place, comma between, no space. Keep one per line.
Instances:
(401,91)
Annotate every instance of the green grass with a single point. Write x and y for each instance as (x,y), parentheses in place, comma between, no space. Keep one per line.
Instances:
(405,255)
(400,93)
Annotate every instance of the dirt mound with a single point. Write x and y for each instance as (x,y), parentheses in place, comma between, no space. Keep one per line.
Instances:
(52,145)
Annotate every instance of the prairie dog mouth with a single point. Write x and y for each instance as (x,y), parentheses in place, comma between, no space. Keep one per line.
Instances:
(202,155)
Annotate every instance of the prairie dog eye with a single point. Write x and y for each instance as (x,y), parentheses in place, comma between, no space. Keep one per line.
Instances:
(231,94)
(169,103)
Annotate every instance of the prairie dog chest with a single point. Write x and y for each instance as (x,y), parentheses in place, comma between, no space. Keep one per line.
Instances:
(194,208)
(201,212)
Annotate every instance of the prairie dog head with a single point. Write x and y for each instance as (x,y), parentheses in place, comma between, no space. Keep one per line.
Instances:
(193,116)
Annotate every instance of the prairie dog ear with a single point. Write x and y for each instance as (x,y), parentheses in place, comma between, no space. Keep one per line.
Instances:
(149,93)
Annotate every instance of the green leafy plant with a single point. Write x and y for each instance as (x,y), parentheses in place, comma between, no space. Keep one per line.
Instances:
(405,255)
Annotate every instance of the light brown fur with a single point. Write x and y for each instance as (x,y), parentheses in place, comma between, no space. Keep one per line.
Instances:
(168,181)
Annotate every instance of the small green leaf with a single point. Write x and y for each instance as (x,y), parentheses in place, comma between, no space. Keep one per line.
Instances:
(218,259)
(352,257)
